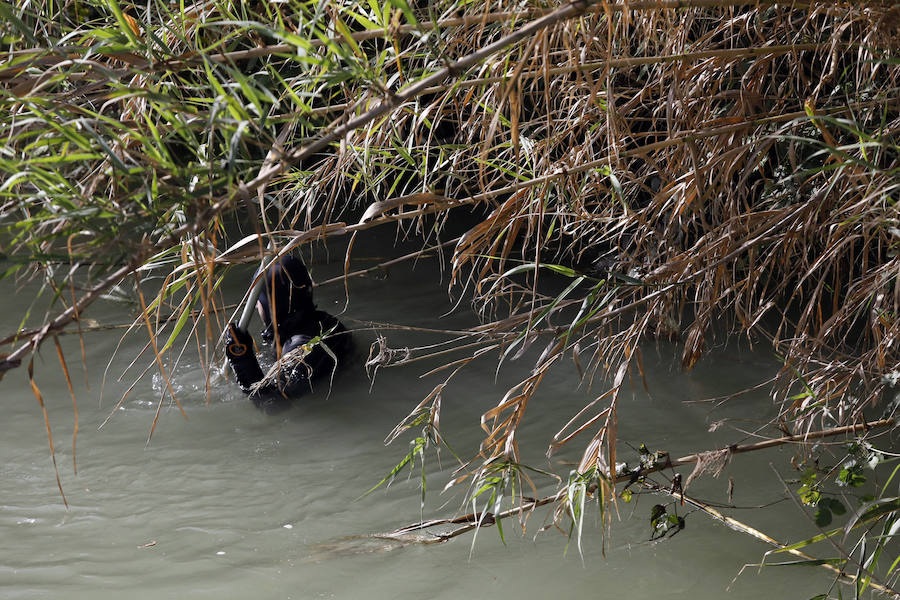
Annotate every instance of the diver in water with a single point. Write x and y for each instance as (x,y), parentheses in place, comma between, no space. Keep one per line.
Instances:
(307,343)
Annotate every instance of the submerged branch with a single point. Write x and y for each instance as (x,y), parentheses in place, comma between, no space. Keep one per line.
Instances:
(475,520)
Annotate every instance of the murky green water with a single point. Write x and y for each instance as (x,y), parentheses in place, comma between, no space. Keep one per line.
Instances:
(233,504)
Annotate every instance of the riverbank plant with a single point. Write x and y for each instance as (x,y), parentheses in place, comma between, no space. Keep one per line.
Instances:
(640,171)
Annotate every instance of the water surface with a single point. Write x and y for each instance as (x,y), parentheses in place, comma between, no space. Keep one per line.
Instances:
(230,503)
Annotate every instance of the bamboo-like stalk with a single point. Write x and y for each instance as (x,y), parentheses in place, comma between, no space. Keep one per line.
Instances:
(740,527)
(788,439)
(472,521)
(14,359)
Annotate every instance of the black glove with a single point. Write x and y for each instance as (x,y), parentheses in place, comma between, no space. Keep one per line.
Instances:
(239,350)
(237,341)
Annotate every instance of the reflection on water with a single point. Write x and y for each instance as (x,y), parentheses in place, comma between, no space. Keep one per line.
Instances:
(230,503)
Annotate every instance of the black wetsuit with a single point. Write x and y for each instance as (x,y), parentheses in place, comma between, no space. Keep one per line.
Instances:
(297,323)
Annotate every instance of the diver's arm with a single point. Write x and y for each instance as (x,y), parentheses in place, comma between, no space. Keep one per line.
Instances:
(275,395)
(241,357)
(239,350)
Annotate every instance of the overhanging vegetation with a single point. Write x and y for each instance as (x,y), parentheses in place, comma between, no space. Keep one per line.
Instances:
(683,167)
